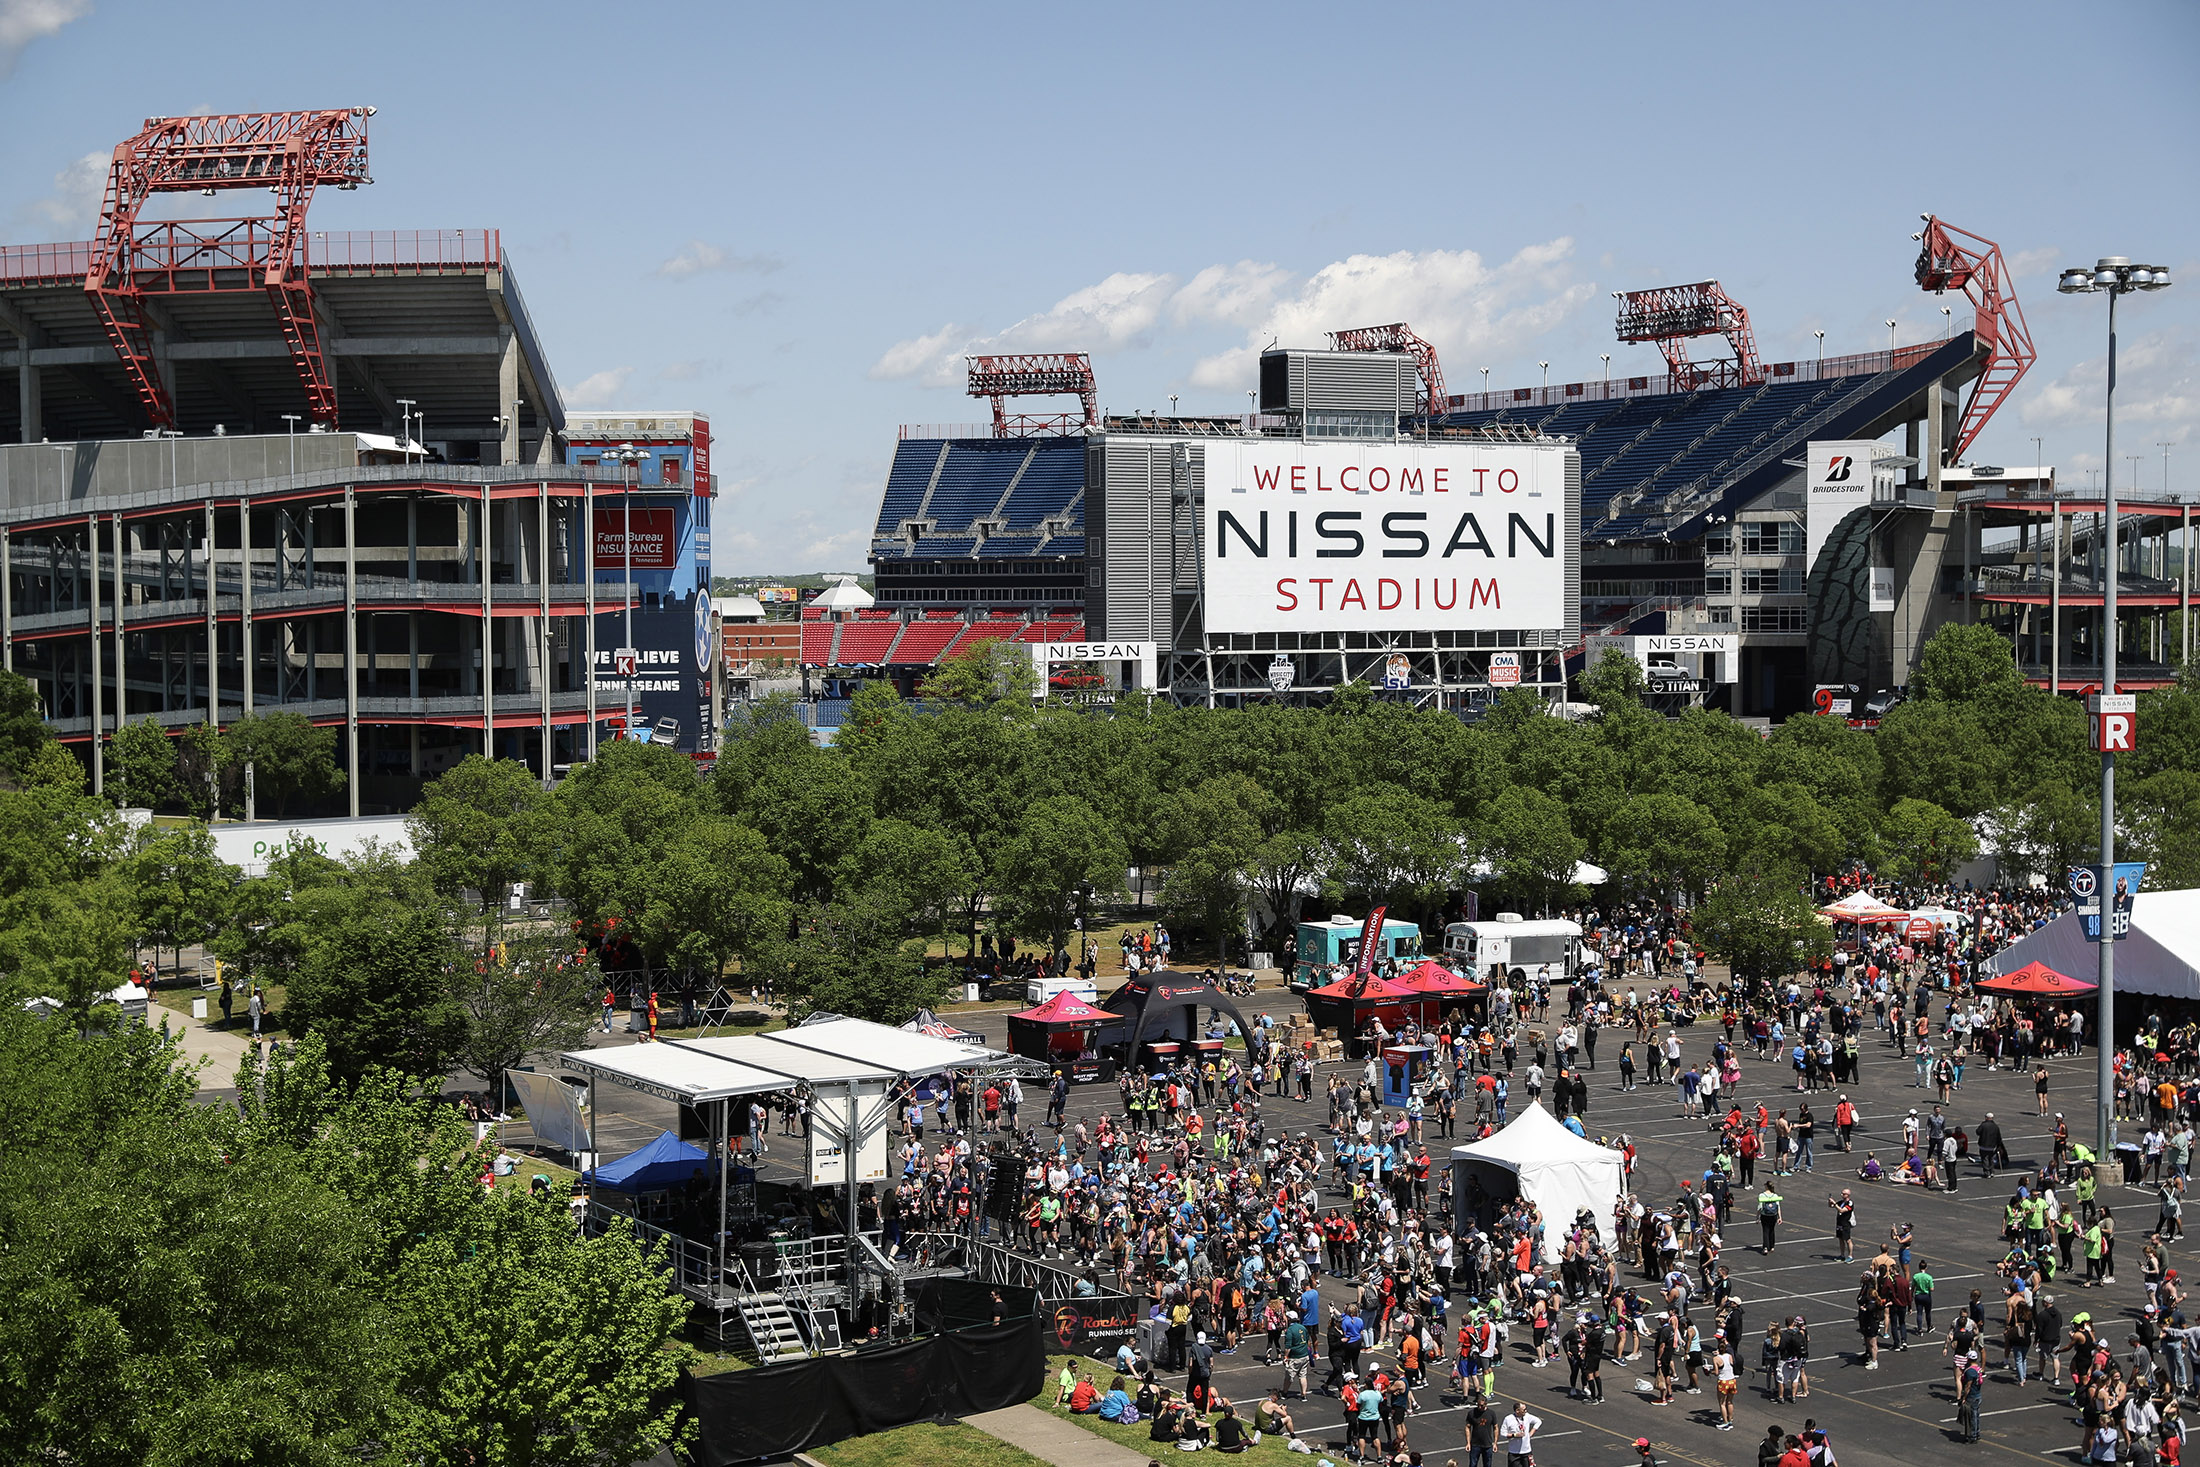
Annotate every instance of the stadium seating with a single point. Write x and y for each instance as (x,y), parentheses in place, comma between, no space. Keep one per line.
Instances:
(922,642)
(864,642)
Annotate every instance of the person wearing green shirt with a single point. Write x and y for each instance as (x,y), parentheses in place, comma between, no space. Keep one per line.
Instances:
(2093,1254)
(1298,1354)
(1921,1299)
(1768,1216)
(2084,1187)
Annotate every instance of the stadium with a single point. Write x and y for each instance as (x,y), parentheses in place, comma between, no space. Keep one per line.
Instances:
(1785,530)
(257,468)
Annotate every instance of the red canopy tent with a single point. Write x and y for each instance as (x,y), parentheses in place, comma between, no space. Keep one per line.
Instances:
(2037,980)
(1057,1029)
(1336,1006)
(1433,977)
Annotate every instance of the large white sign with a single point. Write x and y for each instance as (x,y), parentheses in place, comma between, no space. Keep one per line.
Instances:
(1837,478)
(829,1126)
(253,845)
(1647,648)
(1378,537)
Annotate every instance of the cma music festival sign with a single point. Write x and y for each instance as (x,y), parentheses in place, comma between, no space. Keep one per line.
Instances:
(1379,537)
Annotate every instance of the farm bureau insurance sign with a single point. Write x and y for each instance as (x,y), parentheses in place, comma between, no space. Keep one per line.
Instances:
(1381,537)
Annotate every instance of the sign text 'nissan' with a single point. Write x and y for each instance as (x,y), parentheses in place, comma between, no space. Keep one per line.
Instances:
(1355,536)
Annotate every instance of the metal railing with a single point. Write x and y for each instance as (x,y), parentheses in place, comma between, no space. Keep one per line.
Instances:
(374,251)
(1665,384)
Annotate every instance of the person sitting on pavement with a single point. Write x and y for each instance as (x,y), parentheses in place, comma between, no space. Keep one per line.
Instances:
(1870,1171)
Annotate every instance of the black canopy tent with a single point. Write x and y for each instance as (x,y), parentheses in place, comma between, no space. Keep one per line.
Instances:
(1157,1005)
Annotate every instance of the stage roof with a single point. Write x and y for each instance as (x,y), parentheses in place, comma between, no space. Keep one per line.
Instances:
(831,1051)
(671,1072)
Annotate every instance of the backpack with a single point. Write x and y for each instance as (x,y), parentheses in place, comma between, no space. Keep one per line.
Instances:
(1768,1210)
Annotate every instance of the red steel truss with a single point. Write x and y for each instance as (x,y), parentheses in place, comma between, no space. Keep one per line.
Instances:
(286,153)
(1671,314)
(1398,336)
(1945,263)
(1035,374)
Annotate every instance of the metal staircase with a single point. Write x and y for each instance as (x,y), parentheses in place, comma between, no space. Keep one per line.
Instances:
(764,1317)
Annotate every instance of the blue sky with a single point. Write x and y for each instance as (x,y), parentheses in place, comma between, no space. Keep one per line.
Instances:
(796,218)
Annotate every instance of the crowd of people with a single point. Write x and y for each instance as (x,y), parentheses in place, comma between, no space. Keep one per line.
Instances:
(1223,1193)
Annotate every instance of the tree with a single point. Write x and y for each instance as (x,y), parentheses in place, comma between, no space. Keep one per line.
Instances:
(1664,843)
(1060,849)
(76,942)
(141,765)
(1531,844)
(1964,664)
(528,993)
(718,892)
(1391,848)
(1616,681)
(990,671)
(1924,844)
(922,871)
(259,1342)
(180,890)
(1763,926)
(848,957)
(200,774)
(23,731)
(481,825)
(373,985)
(2163,811)
(290,758)
(525,1343)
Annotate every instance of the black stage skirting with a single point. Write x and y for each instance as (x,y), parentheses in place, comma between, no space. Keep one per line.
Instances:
(750,1414)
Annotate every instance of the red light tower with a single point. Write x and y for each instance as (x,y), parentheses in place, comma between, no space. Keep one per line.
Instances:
(1945,264)
(1671,314)
(1400,337)
(1035,374)
(286,153)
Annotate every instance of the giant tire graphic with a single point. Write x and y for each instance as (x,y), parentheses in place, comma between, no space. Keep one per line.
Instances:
(1841,637)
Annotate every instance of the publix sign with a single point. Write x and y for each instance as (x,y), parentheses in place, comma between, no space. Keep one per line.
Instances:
(252,844)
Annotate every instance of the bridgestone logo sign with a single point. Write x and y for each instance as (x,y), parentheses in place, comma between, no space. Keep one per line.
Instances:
(1304,537)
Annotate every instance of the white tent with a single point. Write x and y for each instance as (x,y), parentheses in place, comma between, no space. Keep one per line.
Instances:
(1550,1166)
(2159,958)
(844,595)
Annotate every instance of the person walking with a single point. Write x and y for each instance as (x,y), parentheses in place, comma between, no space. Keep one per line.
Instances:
(1844,1224)
(1517,1431)
(1768,1216)
(256,1006)
(1970,1386)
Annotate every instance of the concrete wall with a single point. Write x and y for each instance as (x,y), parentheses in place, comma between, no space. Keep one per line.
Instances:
(34,475)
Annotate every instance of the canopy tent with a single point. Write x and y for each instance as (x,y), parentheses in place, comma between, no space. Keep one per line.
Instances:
(1165,1007)
(2037,980)
(1393,1001)
(1550,1166)
(2159,957)
(1865,909)
(1939,917)
(663,1164)
(1431,976)
(931,1026)
(554,1112)
(1060,1028)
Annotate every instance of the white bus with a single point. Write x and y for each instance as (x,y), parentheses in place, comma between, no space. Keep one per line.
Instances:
(1547,950)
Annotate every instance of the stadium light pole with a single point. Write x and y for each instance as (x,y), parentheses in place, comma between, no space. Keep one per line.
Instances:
(1607,372)
(1821,355)
(1485,389)
(1546,366)
(1947,323)
(1890,336)
(2113,275)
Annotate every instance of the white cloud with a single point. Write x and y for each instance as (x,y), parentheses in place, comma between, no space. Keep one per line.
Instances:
(2043,261)
(2157,383)
(689,370)
(1236,295)
(698,257)
(602,389)
(918,356)
(1450,297)
(1118,312)
(77,189)
(25,21)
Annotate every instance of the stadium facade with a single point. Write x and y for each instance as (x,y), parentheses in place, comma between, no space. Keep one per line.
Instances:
(1788,528)
(253,470)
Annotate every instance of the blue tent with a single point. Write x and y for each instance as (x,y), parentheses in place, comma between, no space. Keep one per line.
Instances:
(664,1163)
